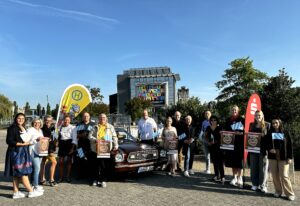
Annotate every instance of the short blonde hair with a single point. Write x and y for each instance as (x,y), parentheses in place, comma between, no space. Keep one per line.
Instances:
(37,119)
(189,117)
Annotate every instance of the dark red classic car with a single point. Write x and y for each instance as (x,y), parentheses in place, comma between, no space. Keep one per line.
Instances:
(133,156)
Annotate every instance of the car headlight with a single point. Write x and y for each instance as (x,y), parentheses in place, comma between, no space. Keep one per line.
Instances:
(163,153)
(119,157)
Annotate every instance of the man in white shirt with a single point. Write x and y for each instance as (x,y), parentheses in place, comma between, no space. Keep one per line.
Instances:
(147,128)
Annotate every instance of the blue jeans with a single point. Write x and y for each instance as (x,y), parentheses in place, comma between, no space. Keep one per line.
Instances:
(259,169)
(189,158)
(207,155)
(36,164)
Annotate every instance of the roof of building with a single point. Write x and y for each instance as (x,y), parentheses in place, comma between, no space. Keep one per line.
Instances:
(150,72)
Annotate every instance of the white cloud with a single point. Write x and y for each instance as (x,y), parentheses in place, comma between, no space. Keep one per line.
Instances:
(66,11)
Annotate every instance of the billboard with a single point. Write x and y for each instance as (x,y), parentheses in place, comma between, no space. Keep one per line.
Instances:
(156,93)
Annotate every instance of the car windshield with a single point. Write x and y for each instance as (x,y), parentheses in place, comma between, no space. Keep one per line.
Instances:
(122,134)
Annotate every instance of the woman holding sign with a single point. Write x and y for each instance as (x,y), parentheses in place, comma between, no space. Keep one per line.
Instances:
(258,160)
(103,139)
(280,154)
(35,133)
(169,136)
(18,163)
(213,138)
(234,157)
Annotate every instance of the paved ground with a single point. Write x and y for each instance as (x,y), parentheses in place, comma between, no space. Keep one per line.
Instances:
(146,189)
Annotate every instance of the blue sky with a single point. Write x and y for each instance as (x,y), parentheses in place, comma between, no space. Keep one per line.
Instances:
(47,45)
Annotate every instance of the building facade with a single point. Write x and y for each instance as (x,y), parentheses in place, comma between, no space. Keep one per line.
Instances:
(157,84)
(183,94)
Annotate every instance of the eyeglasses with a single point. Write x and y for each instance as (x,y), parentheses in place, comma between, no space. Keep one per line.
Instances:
(213,120)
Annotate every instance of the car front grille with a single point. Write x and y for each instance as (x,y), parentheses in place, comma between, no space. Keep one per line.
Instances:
(144,155)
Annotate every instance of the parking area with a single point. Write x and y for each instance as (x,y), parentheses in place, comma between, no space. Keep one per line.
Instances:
(155,188)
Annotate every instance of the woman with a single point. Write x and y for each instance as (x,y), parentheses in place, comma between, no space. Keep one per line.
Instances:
(258,161)
(213,138)
(35,133)
(170,133)
(48,131)
(18,163)
(67,141)
(280,154)
(234,158)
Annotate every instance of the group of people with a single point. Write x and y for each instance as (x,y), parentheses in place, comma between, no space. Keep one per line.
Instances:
(23,159)
(25,163)
(275,154)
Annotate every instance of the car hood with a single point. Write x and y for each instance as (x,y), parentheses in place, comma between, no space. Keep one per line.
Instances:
(128,146)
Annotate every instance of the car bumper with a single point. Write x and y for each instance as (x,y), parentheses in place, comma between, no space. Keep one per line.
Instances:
(133,167)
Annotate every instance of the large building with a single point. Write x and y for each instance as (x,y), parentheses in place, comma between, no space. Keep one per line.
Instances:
(157,84)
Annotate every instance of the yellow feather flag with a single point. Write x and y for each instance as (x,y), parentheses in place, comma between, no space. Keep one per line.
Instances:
(74,99)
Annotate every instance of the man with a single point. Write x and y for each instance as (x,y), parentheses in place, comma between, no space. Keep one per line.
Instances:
(106,133)
(147,128)
(84,147)
(204,125)
(189,148)
(182,131)
(48,130)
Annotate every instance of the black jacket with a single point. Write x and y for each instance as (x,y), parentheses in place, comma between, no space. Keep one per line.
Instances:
(263,140)
(13,136)
(181,128)
(284,146)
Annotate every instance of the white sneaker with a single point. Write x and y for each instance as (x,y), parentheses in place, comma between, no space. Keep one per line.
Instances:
(191,172)
(94,183)
(35,193)
(38,188)
(103,184)
(233,181)
(206,171)
(291,198)
(264,189)
(223,180)
(18,195)
(186,173)
(240,181)
(254,188)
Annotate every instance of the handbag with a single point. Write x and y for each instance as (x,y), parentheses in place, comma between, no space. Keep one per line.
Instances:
(22,162)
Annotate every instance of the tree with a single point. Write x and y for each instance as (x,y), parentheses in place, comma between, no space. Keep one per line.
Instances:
(192,107)
(54,112)
(43,111)
(280,99)
(5,107)
(239,82)
(16,108)
(135,107)
(39,109)
(48,110)
(96,95)
(27,108)
(96,107)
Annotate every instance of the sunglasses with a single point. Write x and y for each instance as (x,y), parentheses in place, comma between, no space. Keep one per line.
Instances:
(213,120)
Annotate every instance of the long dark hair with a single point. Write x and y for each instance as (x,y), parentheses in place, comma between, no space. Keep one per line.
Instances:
(16,117)
(280,129)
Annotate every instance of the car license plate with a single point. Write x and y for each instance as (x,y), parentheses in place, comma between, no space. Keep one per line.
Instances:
(145,169)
